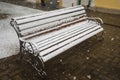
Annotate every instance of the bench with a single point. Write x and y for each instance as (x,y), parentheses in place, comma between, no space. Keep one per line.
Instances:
(45,35)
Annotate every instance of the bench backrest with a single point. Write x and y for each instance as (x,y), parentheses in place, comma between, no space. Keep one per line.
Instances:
(32,25)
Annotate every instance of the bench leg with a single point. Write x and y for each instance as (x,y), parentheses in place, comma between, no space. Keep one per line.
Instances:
(21,51)
(37,64)
(34,60)
(100,36)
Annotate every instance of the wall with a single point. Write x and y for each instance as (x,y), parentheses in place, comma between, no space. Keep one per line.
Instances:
(111,4)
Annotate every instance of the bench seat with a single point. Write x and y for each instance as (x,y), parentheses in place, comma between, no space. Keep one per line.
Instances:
(53,43)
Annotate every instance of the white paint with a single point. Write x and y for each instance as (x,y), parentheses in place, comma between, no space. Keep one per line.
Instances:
(68,3)
(71,44)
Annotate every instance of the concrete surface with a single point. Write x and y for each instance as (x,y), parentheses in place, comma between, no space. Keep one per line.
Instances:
(8,38)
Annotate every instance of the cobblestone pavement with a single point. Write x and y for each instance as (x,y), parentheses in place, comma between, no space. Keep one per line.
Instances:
(90,60)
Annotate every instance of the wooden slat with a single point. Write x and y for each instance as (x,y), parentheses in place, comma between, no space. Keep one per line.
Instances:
(52,29)
(38,14)
(63,38)
(69,45)
(48,15)
(49,20)
(55,36)
(49,25)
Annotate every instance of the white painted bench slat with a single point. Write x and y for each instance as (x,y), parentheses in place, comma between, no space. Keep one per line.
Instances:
(48,15)
(68,46)
(59,34)
(52,28)
(48,20)
(47,44)
(57,38)
(54,34)
(38,14)
(67,41)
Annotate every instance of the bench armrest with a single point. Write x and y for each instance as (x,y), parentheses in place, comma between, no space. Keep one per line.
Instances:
(33,49)
(96,19)
(29,46)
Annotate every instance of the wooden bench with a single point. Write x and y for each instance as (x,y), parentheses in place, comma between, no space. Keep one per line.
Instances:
(45,35)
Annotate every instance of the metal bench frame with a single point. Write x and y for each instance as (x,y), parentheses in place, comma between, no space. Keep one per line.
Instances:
(33,55)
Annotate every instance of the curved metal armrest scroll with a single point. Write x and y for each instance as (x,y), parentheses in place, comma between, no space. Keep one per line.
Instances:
(33,49)
(33,52)
(96,19)
(13,24)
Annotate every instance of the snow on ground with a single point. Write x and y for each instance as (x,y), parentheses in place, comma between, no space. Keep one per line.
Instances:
(9,44)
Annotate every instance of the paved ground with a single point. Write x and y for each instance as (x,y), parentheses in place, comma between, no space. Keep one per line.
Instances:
(90,60)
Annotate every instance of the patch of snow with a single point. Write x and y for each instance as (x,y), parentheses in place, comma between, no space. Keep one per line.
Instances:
(112,39)
(74,78)
(69,74)
(87,58)
(63,72)
(98,69)
(89,76)
(61,60)
(112,49)
(88,50)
